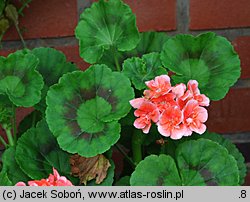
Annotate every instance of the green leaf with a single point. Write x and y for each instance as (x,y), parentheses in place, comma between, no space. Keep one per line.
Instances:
(52,65)
(232,149)
(4,180)
(199,162)
(204,162)
(19,80)
(124,181)
(207,58)
(37,152)
(106,25)
(143,69)
(149,42)
(84,107)
(156,171)
(11,168)
(108,181)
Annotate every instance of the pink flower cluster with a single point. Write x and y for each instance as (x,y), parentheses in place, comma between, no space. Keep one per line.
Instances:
(177,110)
(52,180)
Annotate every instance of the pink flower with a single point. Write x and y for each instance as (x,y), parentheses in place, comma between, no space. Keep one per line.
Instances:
(195,92)
(170,123)
(158,87)
(194,117)
(52,180)
(176,110)
(146,112)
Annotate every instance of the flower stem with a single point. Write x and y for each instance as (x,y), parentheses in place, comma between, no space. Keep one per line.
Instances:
(137,139)
(131,162)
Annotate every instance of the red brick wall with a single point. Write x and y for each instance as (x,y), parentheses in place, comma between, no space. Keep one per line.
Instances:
(52,22)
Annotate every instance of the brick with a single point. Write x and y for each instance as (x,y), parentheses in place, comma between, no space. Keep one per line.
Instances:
(217,14)
(72,54)
(46,18)
(230,114)
(242,47)
(158,15)
(5,53)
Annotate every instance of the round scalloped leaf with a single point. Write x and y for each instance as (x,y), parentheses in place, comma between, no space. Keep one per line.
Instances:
(108,181)
(84,107)
(106,25)
(204,162)
(19,80)
(11,168)
(232,149)
(52,65)
(207,58)
(156,171)
(143,69)
(37,152)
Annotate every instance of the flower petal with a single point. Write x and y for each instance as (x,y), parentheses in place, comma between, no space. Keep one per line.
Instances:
(136,103)
(178,132)
(164,131)
(201,129)
(202,114)
(179,90)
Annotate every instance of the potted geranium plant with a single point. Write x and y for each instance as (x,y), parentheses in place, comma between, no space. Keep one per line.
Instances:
(127,101)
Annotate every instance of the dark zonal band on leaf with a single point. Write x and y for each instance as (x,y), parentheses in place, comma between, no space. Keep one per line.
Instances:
(19,79)
(207,58)
(199,162)
(52,65)
(38,152)
(232,150)
(84,107)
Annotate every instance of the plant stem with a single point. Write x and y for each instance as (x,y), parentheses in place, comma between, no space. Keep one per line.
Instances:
(34,119)
(20,35)
(118,67)
(25,4)
(14,123)
(137,139)
(10,138)
(131,162)
(3,142)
